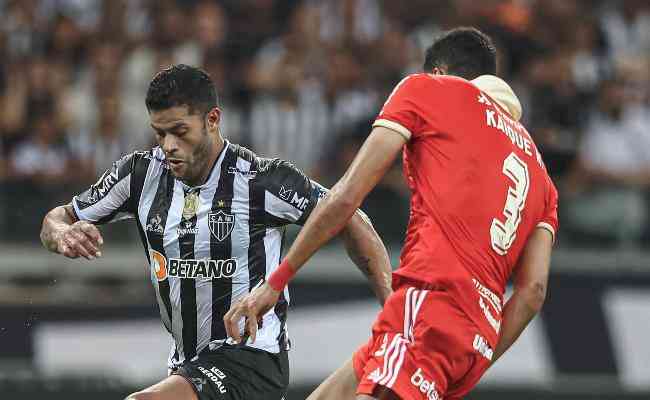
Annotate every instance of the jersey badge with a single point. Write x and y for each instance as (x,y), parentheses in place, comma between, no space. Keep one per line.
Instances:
(221,224)
(191,205)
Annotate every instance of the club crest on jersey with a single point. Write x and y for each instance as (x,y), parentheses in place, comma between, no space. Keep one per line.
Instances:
(221,224)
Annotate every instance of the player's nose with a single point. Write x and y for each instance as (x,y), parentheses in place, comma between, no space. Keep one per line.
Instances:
(169,145)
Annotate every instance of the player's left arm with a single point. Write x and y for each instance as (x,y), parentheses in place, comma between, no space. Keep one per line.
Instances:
(531,279)
(531,276)
(329,217)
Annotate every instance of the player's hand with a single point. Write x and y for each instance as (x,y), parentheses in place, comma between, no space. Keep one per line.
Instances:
(252,307)
(81,239)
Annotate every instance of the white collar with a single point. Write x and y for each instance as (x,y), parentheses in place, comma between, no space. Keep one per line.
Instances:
(500,92)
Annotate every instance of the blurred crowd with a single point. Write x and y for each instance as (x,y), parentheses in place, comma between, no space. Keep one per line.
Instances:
(303,80)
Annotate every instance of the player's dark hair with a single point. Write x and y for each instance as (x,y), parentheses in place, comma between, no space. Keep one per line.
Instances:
(465,52)
(181,85)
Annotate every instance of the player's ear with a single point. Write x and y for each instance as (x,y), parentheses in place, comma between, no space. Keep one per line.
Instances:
(213,117)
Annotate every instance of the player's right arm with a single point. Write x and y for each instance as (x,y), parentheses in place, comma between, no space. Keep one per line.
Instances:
(70,229)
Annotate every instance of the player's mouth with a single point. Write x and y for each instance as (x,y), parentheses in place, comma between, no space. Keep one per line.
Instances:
(175,163)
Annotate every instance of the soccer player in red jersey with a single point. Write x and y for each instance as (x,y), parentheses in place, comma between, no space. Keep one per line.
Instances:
(483,208)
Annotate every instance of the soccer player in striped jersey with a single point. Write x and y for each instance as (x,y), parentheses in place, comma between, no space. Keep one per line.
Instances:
(211,216)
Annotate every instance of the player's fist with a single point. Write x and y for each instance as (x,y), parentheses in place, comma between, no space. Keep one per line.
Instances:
(81,239)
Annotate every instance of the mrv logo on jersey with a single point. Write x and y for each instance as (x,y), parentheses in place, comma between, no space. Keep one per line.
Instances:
(191,269)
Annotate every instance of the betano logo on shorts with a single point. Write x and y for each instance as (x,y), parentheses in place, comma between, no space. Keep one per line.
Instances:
(425,386)
(190,268)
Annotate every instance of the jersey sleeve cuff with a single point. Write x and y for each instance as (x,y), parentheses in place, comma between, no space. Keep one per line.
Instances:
(77,210)
(548,227)
(393,126)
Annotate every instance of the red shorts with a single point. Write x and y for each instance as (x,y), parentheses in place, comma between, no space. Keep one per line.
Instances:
(422,347)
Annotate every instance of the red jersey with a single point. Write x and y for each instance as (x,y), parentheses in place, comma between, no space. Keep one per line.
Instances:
(479,189)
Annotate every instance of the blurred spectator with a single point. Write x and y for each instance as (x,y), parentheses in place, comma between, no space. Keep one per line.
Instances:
(42,158)
(232,115)
(86,101)
(66,43)
(352,96)
(605,191)
(97,148)
(627,26)
(24,29)
(349,22)
(210,26)
(290,118)
(35,88)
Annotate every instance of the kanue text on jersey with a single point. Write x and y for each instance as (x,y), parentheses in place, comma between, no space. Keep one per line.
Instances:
(207,245)
(479,188)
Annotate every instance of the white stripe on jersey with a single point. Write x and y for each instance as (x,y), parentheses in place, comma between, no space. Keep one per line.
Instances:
(111,201)
(172,250)
(267,336)
(240,236)
(280,208)
(202,251)
(149,189)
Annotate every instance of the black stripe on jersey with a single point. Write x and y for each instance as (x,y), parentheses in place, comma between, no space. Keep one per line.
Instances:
(139,167)
(257,230)
(160,207)
(138,176)
(280,311)
(222,250)
(188,286)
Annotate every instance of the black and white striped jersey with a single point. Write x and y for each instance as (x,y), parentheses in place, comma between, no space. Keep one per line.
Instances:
(208,245)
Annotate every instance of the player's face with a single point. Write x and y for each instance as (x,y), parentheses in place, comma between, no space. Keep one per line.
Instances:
(185,139)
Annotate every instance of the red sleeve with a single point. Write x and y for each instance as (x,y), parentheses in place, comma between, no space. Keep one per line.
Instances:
(401,112)
(550,219)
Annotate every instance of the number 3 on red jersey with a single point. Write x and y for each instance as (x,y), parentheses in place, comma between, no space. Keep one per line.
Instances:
(503,233)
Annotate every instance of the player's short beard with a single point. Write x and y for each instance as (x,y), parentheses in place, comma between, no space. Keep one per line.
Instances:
(200,157)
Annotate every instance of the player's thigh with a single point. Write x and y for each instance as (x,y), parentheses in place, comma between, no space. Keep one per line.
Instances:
(341,385)
(237,373)
(423,346)
(174,387)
